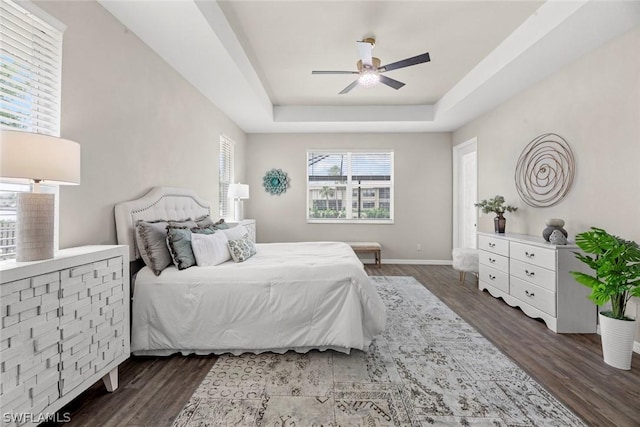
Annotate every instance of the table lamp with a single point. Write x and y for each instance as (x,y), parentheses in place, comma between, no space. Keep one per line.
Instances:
(31,157)
(238,192)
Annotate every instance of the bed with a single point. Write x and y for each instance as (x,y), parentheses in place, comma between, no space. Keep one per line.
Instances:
(288,296)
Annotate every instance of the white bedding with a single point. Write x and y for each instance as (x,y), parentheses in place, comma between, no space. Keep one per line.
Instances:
(297,296)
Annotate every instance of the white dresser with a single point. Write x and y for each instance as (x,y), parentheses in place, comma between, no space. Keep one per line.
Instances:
(65,325)
(530,273)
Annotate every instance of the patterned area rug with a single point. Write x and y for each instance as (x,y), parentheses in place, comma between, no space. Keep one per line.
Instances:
(428,368)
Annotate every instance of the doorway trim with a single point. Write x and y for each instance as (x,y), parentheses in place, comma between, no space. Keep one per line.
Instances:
(458,151)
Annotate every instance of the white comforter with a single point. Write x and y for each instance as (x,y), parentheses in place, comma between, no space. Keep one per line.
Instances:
(297,296)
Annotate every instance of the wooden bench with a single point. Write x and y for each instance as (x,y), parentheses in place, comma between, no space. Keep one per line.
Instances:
(368,247)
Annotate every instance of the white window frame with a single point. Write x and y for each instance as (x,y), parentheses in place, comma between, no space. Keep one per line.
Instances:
(227,155)
(32,46)
(350,188)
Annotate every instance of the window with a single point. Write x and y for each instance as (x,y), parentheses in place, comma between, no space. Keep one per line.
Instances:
(30,82)
(350,186)
(226,175)
(31,64)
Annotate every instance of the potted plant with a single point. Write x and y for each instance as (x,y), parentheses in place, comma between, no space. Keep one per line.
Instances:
(616,264)
(497,206)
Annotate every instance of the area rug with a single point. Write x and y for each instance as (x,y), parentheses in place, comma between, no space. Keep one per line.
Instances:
(429,367)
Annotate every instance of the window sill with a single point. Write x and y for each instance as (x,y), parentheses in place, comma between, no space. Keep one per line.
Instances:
(352,221)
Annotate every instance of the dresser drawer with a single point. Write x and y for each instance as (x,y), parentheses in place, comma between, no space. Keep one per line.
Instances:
(533,295)
(496,278)
(535,255)
(533,274)
(494,260)
(495,245)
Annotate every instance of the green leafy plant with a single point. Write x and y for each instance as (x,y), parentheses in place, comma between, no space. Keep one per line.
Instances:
(376,213)
(616,263)
(496,205)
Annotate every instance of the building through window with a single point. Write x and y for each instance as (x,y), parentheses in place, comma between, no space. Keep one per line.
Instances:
(350,186)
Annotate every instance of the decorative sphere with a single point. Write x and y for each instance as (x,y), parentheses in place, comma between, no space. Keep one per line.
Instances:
(554,222)
(558,238)
(547,232)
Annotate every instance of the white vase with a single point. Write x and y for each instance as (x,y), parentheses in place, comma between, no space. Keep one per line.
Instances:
(617,341)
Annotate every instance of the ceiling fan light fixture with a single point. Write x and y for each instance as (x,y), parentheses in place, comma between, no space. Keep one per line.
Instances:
(369,69)
(369,78)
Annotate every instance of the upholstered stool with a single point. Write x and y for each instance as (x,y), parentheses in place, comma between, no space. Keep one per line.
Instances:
(465,260)
(372,247)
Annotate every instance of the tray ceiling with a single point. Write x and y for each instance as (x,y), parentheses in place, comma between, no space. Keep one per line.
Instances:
(254,59)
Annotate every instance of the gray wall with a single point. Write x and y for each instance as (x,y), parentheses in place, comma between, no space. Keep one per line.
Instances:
(139,123)
(423,187)
(594,104)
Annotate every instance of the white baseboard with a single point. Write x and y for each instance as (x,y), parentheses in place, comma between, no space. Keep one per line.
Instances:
(410,261)
(418,261)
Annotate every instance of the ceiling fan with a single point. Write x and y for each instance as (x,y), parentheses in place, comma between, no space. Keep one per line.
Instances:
(370,70)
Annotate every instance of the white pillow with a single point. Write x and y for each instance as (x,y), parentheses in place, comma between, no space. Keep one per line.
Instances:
(235,233)
(210,249)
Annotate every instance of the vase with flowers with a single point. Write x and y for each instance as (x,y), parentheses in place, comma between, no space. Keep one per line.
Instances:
(496,205)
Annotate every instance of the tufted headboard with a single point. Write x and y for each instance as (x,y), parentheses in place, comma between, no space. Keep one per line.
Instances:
(165,203)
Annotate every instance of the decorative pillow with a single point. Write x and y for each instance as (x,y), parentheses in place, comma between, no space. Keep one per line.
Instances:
(203,230)
(210,249)
(187,223)
(151,239)
(204,221)
(221,225)
(207,222)
(235,233)
(241,249)
(179,244)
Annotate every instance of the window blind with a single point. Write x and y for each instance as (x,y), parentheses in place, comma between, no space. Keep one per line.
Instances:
(30,69)
(226,175)
(30,76)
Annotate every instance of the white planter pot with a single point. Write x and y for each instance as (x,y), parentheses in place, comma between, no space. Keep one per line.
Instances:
(617,341)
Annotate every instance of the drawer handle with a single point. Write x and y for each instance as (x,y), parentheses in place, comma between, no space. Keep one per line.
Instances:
(529,294)
(529,255)
(530,273)
(492,245)
(492,277)
(492,261)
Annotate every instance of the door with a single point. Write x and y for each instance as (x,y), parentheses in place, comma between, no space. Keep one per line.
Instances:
(465,194)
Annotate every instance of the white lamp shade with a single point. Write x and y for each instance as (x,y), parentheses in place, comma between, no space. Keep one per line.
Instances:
(238,191)
(26,155)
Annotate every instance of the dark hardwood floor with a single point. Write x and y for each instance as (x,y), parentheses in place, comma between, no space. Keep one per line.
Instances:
(570,366)
(153,390)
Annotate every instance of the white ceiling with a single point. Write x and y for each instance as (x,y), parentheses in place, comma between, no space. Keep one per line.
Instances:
(254,59)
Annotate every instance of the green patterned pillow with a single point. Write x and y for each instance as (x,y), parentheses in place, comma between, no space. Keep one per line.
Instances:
(241,249)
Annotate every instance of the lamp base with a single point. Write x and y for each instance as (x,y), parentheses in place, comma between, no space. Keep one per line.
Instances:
(34,228)
(238,214)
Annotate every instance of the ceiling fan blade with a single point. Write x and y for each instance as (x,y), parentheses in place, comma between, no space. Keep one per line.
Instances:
(334,72)
(406,62)
(391,82)
(364,49)
(348,88)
